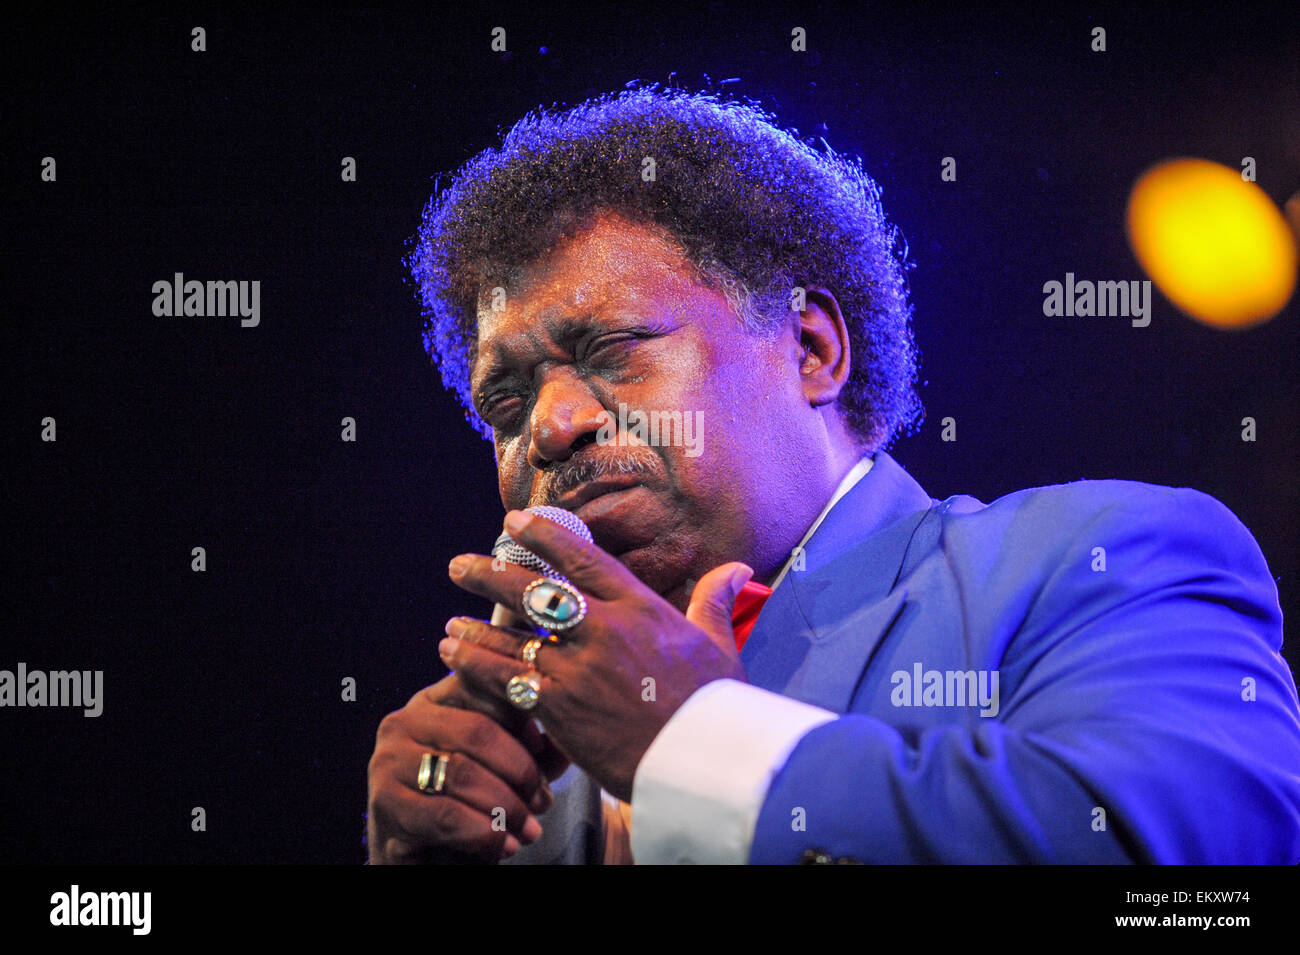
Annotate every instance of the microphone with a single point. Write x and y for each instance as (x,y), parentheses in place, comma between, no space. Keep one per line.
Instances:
(512,552)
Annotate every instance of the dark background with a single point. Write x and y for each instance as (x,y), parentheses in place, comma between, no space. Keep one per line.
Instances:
(328,560)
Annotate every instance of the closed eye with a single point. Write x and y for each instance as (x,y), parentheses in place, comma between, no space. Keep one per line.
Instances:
(610,341)
(495,405)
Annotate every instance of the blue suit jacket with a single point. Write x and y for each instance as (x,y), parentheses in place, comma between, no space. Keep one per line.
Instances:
(1145,713)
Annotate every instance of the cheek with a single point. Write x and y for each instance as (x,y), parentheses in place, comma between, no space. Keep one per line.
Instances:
(745,387)
(732,419)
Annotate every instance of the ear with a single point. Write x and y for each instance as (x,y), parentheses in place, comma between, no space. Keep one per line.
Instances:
(824,359)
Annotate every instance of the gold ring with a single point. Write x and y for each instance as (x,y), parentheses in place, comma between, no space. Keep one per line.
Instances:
(432,778)
(529,652)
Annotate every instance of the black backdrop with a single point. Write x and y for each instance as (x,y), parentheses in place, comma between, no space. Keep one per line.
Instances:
(327,560)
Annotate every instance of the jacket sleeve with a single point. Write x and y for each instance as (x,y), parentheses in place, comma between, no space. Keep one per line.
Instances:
(1149,716)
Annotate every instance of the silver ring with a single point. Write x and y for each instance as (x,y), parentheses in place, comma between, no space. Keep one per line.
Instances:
(523,690)
(432,778)
(554,604)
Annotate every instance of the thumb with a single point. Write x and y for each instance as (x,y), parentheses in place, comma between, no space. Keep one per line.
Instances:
(713,600)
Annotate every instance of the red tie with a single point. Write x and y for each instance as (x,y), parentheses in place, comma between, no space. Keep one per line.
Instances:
(745,613)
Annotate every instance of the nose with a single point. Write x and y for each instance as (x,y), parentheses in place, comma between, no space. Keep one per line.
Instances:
(566,416)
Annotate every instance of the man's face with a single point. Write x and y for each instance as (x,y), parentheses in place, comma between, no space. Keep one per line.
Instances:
(614,317)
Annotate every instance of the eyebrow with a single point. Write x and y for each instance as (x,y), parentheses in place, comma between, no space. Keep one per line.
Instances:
(564,330)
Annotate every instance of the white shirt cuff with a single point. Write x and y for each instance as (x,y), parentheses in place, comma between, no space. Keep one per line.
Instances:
(699,788)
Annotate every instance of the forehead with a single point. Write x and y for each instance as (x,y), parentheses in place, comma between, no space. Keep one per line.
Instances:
(614,263)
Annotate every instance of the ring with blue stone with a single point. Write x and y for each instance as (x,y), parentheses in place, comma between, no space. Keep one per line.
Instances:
(554,605)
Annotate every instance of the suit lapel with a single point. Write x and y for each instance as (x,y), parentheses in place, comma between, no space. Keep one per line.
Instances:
(816,632)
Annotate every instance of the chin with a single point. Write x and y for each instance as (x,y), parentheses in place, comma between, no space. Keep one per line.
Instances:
(651,568)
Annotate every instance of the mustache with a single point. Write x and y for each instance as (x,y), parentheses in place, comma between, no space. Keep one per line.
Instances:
(581,468)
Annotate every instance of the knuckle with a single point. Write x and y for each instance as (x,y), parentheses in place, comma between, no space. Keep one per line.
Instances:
(447,820)
(389,725)
(382,806)
(446,692)
(480,734)
(477,632)
(582,561)
(521,775)
(385,761)
(398,852)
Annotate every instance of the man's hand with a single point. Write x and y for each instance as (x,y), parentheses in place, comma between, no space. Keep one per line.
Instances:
(495,775)
(617,677)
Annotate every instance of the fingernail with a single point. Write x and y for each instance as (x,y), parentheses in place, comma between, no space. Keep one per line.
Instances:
(511,847)
(741,577)
(447,647)
(458,566)
(532,830)
(455,627)
(516,521)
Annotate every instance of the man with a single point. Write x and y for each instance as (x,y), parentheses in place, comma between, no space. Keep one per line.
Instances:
(1087,672)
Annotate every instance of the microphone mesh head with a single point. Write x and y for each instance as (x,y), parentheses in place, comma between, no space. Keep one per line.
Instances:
(513,552)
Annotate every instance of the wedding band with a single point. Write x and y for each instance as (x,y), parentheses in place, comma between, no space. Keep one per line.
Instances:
(432,778)
(554,604)
(524,689)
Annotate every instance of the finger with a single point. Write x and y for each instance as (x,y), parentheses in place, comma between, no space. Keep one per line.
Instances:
(417,828)
(713,602)
(453,692)
(472,783)
(551,760)
(465,698)
(588,567)
(506,586)
(504,642)
(447,729)
(508,643)
(489,671)
(488,577)
(510,619)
